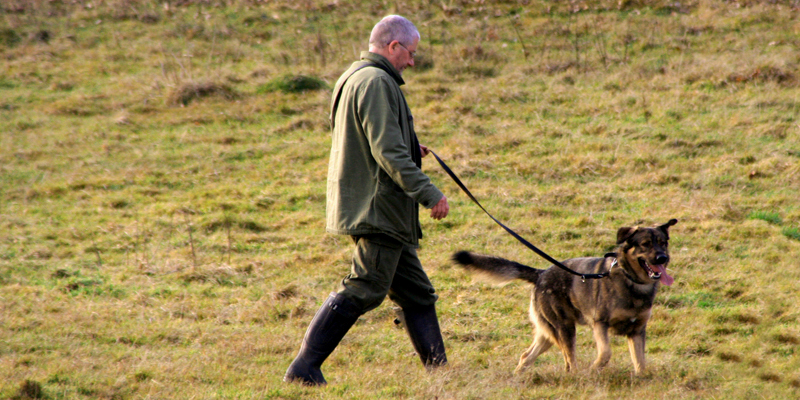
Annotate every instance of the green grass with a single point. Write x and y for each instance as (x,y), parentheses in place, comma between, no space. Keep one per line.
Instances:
(162,192)
(791,233)
(771,217)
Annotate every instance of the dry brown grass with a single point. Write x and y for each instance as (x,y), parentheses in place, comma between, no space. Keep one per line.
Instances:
(149,250)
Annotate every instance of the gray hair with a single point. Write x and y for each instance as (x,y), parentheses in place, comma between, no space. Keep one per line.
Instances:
(393,27)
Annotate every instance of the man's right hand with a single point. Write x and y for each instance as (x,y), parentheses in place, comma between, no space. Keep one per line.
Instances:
(441,209)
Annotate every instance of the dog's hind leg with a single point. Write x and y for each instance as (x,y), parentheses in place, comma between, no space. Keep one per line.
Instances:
(540,344)
(600,331)
(636,347)
(566,342)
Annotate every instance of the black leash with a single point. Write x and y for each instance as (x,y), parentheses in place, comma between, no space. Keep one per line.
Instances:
(514,234)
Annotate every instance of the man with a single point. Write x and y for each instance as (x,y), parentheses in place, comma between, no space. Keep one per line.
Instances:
(375,186)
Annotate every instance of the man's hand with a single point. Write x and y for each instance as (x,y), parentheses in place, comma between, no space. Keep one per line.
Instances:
(424,150)
(441,208)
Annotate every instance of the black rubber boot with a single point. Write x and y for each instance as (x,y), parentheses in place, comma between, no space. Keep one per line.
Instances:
(324,333)
(422,326)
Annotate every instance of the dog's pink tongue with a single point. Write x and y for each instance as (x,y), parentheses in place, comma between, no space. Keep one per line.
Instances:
(665,278)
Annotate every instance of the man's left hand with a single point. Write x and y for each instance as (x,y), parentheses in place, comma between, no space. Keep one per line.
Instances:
(424,150)
(441,209)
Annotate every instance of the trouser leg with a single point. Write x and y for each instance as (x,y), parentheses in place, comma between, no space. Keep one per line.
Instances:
(375,261)
(384,266)
(413,292)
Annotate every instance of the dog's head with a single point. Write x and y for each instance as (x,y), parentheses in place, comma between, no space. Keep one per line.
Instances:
(646,251)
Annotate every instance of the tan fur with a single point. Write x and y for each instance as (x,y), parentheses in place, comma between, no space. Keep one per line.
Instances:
(620,304)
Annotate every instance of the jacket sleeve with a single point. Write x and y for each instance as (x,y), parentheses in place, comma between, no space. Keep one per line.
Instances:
(379,110)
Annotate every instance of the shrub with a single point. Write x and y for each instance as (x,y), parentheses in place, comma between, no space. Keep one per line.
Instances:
(293,84)
(184,94)
(30,390)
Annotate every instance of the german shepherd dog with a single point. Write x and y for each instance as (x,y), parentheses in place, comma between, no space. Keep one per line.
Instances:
(620,302)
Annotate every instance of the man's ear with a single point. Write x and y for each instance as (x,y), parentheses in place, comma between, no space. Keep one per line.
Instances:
(392,46)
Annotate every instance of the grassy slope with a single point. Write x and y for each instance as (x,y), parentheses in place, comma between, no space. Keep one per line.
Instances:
(150,248)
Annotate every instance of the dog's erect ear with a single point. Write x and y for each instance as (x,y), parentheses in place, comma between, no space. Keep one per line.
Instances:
(663,228)
(625,233)
(666,226)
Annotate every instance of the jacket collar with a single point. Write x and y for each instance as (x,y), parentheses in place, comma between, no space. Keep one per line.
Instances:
(379,59)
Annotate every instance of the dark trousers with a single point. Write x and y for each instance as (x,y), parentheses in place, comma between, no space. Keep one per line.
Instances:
(383,265)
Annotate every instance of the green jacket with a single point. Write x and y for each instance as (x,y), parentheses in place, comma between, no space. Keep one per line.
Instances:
(374,178)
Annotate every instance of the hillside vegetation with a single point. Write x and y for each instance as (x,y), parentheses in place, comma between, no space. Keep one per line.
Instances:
(162,192)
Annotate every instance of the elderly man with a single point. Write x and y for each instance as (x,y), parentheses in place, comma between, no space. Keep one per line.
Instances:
(375,187)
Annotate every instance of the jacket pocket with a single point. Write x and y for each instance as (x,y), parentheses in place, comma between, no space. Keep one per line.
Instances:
(395,210)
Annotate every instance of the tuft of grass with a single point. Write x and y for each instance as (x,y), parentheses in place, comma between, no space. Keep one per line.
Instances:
(9,37)
(769,216)
(30,389)
(186,93)
(763,74)
(730,357)
(791,233)
(142,376)
(289,83)
(423,63)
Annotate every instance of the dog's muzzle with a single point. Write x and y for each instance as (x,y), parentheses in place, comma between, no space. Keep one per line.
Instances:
(658,271)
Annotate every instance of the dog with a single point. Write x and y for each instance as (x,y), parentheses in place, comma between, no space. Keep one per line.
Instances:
(620,303)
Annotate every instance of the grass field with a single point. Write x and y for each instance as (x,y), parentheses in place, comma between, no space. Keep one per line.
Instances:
(162,192)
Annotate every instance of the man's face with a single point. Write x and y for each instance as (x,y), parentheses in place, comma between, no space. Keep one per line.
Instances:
(402,55)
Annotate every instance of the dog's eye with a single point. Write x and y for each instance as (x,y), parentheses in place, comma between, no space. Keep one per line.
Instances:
(645,243)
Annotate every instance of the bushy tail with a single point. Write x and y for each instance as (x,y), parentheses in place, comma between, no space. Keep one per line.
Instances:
(496,269)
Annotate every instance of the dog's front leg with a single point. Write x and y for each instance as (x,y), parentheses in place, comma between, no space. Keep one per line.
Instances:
(600,331)
(636,347)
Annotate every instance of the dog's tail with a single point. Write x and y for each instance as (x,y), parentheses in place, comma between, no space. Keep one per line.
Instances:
(496,269)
